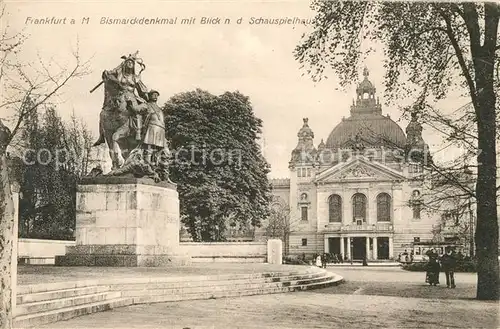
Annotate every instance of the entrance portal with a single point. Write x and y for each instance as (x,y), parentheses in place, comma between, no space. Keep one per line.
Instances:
(383,248)
(358,248)
(334,245)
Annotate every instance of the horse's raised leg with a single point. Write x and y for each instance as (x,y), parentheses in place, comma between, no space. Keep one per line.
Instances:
(120,134)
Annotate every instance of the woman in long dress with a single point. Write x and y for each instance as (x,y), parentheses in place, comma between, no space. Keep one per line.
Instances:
(433,268)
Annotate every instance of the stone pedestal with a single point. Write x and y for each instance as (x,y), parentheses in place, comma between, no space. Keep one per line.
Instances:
(274,251)
(125,222)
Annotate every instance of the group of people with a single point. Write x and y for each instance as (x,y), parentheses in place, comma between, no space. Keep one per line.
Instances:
(406,257)
(322,259)
(447,263)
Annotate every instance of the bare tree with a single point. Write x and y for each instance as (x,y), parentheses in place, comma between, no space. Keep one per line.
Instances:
(25,87)
(281,222)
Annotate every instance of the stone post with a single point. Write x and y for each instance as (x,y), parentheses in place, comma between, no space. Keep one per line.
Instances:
(375,248)
(327,246)
(274,251)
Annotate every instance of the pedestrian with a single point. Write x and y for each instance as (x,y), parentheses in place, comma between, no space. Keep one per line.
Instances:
(448,262)
(323,260)
(433,268)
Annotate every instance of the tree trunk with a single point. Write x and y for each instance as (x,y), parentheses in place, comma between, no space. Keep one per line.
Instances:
(487,220)
(6,238)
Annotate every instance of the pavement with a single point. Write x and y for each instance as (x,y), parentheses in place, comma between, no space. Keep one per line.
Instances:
(372,297)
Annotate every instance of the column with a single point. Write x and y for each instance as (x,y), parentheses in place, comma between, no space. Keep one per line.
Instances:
(342,246)
(349,248)
(391,254)
(367,247)
(375,248)
(327,245)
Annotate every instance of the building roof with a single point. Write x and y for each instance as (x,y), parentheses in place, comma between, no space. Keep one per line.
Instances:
(372,129)
(366,124)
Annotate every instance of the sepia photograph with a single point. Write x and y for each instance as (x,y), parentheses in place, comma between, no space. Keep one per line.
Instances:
(249,164)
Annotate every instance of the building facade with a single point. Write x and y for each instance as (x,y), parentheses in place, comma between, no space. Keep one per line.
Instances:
(359,193)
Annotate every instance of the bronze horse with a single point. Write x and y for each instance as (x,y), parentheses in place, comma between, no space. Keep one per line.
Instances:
(120,117)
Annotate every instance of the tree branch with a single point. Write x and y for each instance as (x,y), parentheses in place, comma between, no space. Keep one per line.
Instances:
(460,57)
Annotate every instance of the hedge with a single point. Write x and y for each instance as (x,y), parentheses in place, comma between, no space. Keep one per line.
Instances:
(462,266)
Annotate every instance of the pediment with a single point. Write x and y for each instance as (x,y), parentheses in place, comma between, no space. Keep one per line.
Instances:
(359,169)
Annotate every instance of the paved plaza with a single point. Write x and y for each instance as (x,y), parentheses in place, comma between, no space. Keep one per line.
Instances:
(371,298)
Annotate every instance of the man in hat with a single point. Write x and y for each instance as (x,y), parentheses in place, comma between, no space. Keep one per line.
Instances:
(448,263)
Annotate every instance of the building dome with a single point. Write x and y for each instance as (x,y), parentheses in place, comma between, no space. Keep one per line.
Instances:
(373,130)
(366,126)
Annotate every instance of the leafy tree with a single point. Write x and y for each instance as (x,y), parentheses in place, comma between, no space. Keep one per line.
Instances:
(430,49)
(217,164)
(56,154)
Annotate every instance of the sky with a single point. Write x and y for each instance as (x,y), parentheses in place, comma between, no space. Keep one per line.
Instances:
(256,60)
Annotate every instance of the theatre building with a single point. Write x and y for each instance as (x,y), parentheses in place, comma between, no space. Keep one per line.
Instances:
(357,193)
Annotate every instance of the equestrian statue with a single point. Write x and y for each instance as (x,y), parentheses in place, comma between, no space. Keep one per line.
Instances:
(132,124)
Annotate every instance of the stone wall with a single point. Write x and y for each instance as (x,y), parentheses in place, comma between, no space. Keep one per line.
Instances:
(37,251)
(225,251)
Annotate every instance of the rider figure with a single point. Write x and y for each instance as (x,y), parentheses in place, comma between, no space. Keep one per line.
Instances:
(126,81)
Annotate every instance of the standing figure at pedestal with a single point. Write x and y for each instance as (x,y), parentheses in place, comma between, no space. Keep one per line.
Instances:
(154,140)
(154,135)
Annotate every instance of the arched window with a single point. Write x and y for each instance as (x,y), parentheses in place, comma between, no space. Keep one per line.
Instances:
(359,206)
(383,207)
(335,208)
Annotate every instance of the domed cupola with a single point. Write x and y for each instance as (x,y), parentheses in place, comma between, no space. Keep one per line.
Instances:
(365,98)
(304,151)
(366,123)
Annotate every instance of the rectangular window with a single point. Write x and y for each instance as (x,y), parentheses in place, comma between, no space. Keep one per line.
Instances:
(299,172)
(304,242)
(309,172)
(304,213)
(416,239)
